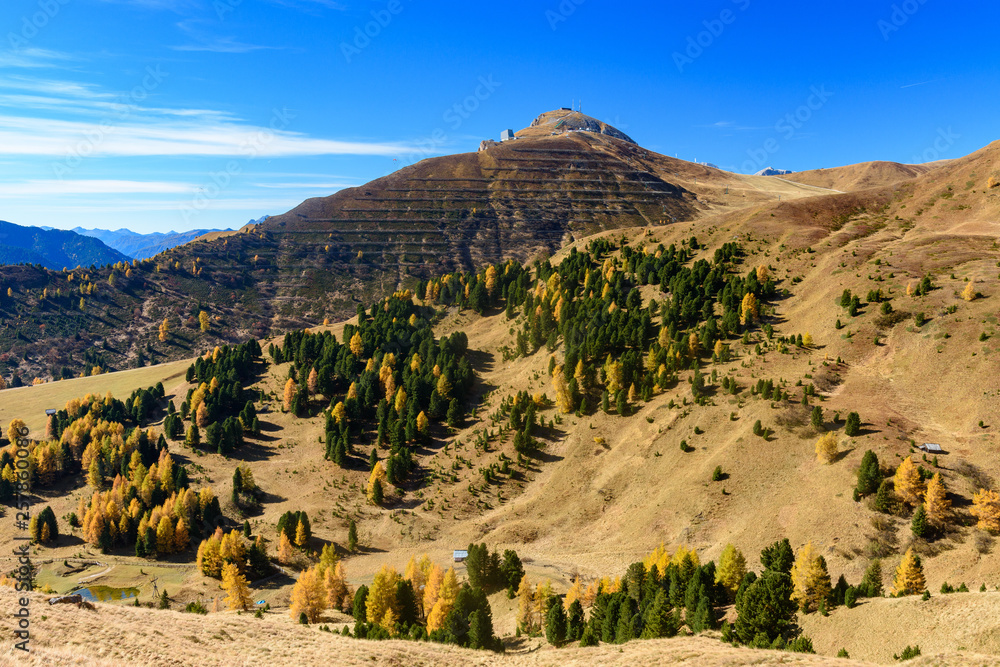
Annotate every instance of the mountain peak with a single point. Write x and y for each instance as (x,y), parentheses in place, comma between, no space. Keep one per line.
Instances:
(567,120)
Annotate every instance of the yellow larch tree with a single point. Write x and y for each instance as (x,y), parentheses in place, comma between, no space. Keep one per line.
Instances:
(182,536)
(491,281)
(969,293)
(335,583)
(312,382)
(580,374)
(563,398)
(286,553)
(381,594)
(826,448)
(400,402)
(308,596)
(301,537)
(432,587)
(541,597)
(749,309)
(201,415)
(590,594)
(686,559)
(909,575)
(390,622)
(810,579)
(235,585)
(445,601)
(526,606)
(203,320)
(378,475)
(615,374)
(415,575)
(339,412)
(165,536)
(357,345)
(443,384)
(290,388)
(660,557)
(936,503)
(14,429)
(732,569)
(907,482)
(575,592)
(986,508)
(164,330)
(694,345)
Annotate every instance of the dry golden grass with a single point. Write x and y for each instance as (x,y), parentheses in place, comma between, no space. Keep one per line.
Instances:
(30,403)
(877,629)
(858,176)
(112,636)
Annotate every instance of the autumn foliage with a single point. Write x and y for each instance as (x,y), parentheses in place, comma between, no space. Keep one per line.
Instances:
(909,578)
(986,508)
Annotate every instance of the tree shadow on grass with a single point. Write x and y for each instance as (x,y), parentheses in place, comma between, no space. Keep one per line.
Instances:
(843,455)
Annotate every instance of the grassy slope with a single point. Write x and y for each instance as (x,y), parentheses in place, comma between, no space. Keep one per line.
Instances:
(66,635)
(30,403)
(593,509)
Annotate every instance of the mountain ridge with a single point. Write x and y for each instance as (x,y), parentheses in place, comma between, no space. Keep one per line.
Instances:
(53,248)
(137,245)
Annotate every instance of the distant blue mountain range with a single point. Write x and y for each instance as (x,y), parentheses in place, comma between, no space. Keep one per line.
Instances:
(53,248)
(142,246)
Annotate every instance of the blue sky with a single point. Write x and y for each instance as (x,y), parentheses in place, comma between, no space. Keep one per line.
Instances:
(184,114)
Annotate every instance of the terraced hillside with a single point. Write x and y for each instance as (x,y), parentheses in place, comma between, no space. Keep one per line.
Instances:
(321,260)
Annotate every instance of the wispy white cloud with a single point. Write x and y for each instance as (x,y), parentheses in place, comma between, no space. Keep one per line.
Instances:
(117,126)
(225,45)
(158,136)
(305,186)
(34,58)
(119,205)
(53,187)
(730,125)
(203,40)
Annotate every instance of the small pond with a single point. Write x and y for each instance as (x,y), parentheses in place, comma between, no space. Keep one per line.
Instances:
(106,593)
